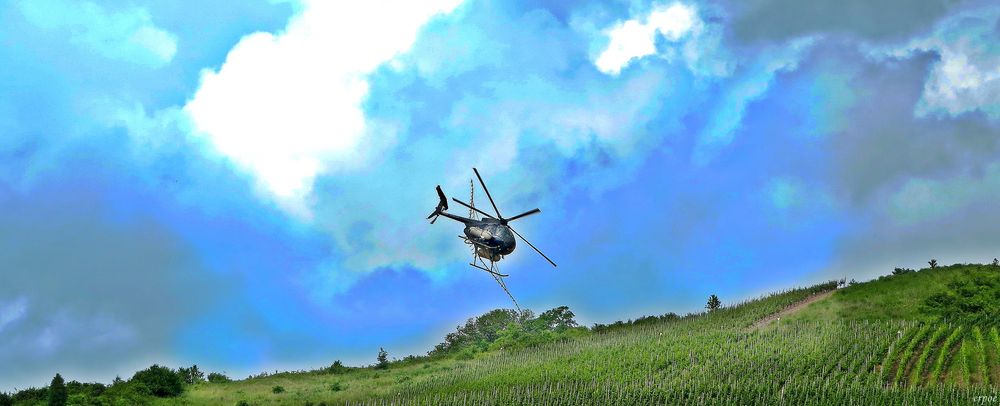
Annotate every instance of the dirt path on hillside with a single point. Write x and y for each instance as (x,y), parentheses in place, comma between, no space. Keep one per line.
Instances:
(791,309)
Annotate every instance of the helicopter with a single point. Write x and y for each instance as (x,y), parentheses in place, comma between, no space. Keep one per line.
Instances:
(491,237)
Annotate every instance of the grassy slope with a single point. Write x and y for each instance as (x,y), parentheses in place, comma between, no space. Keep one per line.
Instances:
(893,298)
(833,349)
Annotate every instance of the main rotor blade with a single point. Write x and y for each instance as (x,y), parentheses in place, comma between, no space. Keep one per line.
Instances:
(488,194)
(473,208)
(532,246)
(525,214)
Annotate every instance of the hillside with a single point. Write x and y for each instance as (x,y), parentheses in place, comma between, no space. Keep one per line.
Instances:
(913,338)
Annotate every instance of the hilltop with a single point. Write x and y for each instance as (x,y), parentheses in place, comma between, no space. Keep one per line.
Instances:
(914,337)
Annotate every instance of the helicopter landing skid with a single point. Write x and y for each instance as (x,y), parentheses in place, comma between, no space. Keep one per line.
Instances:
(491,269)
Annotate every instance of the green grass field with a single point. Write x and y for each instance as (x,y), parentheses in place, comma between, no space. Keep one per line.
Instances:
(869,343)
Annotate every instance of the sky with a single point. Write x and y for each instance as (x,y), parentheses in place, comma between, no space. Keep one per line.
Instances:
(244,185)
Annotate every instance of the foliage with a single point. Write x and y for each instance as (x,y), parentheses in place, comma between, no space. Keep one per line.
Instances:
(215,377)
(973,298)
(336,387)
(278,389)
(382,358)
(336,368)
(902,271)
(932,263)
(603,328)
(557,319)
(57,391)
(191,375)
(31,396)
(160,381)
(5,399)
(713,303)
(506,329)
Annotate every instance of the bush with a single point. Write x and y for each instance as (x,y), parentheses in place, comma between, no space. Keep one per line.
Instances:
(278,389)
(216,377)
(336,387)
(902,271)
(336,368)
(5,399)
(161,381)
(242,403)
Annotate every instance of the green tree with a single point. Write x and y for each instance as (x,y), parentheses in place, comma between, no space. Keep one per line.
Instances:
(383,359)
(932,263)
(216,377)
(713,303)
(5,399)
(161,381)
(558,319)
(57,391)
(191,375)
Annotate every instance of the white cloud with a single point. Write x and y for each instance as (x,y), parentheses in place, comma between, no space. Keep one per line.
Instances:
(127,35)
(967,76)
(635,39)
(287,106)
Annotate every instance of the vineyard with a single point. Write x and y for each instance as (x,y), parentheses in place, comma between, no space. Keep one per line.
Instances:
(713,358)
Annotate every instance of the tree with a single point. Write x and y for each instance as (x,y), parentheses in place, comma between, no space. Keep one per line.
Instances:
(713,303)
(191,375)
(216,377)
(558,319)
(996,262)
(383,359)
(57,391)
(5,399)
(161,381)
(932,263)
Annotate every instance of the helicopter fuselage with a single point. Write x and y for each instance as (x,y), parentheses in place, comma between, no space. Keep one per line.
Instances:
(492,238)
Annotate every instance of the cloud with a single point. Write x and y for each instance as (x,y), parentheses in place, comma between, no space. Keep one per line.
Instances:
(967,77)
(287,106)
(126,35)
(634,39)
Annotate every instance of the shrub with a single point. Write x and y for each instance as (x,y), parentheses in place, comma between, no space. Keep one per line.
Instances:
(336,387)
(278,389)
(161,381)
(216,377)
(336,368)
(901,271)
(242,403)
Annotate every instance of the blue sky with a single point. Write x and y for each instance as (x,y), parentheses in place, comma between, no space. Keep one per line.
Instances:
(244,186)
